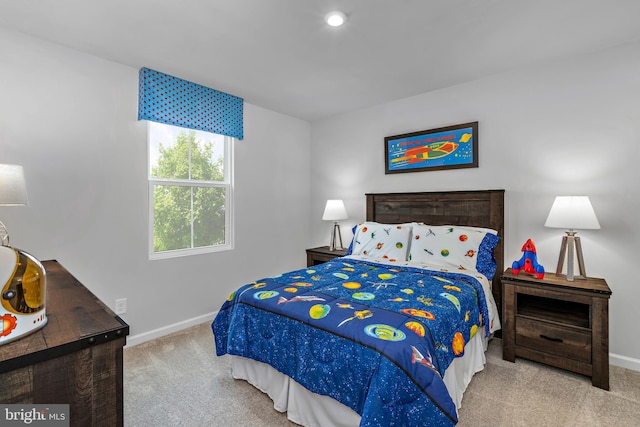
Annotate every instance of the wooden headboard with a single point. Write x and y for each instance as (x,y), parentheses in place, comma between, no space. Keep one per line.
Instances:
(472,208)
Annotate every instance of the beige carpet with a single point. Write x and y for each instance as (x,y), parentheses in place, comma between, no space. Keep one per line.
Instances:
(178,381)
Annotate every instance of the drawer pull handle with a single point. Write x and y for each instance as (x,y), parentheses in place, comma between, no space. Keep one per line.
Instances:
(550,338)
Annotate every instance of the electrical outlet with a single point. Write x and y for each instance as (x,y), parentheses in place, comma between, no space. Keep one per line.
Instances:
(121,306)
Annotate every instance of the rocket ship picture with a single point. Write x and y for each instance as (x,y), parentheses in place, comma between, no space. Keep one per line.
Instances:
(453,147)
(427,152)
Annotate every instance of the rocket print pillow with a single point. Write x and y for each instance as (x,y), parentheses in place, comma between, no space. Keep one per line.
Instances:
(464,248)
(382,241)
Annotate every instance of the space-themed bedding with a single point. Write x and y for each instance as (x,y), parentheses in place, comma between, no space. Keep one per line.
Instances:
(370,333)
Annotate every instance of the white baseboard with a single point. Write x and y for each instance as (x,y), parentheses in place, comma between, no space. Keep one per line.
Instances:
(624,361)
(134,340)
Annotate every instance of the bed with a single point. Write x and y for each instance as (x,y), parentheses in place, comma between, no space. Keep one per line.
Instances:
(390,334)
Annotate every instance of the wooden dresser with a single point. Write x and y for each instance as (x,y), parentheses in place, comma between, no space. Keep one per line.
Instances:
(75,359)
(557,322)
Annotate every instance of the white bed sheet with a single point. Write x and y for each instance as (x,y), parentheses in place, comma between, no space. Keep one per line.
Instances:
(313,410)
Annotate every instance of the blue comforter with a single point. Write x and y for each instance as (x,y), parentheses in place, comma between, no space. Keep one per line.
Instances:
(375,337)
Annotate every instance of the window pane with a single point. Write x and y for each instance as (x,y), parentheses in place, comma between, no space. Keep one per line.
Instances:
(190,176)
(207,157)
(166,158)
(178,153)
(172,218)
(208,216)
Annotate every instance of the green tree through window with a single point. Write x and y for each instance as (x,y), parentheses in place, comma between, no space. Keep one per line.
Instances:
(189,192)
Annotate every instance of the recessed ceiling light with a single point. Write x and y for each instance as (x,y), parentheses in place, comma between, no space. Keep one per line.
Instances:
(335,19)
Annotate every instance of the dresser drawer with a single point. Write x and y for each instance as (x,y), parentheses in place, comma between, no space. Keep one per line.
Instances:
(553,339)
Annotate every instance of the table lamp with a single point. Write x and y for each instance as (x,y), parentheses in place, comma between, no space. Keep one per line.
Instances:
(335,211)
(572,213)
(22,276)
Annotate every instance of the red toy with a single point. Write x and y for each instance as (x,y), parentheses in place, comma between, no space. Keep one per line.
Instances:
(529,261)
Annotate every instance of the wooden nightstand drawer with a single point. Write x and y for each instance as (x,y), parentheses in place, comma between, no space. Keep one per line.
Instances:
(554,339)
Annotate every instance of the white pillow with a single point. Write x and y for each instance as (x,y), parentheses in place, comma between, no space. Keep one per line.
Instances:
(387,241)
(464,248)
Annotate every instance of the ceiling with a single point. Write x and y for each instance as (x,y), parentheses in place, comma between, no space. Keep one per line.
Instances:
(280,55)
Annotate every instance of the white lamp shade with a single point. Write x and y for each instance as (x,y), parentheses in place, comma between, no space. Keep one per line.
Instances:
(572,213)
(334,211)
(13,189)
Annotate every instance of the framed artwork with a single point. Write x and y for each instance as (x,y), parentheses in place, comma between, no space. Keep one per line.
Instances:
(451,147)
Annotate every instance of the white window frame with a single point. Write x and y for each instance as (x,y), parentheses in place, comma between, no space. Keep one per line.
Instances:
(227,185)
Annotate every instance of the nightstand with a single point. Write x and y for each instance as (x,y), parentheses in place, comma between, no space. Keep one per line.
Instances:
(557,322)
(322,254)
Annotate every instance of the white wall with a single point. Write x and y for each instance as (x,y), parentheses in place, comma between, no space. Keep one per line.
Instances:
(565,128)
(71,120)
(569,127)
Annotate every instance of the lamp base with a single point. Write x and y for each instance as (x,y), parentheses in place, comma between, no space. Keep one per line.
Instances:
(335,231)
(571,243)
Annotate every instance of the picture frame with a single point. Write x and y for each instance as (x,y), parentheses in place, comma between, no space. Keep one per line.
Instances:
(449,147)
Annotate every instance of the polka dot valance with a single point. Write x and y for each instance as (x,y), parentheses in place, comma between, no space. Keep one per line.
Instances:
(166,99)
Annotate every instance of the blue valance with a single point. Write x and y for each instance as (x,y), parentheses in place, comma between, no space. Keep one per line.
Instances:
(166,99)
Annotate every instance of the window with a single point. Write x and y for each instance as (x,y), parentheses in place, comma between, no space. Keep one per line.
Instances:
(190,191)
